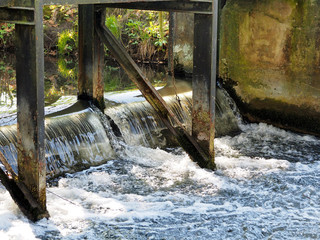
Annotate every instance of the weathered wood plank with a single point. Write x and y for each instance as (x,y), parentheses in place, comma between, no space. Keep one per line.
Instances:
(23,198)
(29,3)
(192,7)
(50,2)
(30,107)
(204,79)
(91,58)
(8,167)
(152,96)
(17,15)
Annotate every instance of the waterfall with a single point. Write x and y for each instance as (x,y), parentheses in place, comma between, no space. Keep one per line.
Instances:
(74,141)
(140,125)
(82,136)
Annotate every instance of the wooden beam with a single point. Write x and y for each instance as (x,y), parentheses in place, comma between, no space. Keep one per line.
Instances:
(30,108)
(179,3)
(204,79)
(172,21)
(177,6)
(91,58)
(20,193)
(152,96)
(17,15)
(55,2)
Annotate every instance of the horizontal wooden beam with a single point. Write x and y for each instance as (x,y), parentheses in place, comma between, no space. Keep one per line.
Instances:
(194,6)
(63,2)
(17,15)
(52,2)
(176,6)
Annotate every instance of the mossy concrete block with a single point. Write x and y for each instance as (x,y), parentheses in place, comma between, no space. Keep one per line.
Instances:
(270,61)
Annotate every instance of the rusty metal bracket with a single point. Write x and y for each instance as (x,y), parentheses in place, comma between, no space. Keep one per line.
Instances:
(195,152)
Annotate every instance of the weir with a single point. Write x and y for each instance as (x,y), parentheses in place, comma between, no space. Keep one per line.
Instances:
(81,136)
(28,187)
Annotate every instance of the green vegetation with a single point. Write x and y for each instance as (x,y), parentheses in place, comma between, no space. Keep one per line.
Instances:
(60,14)
(146,34)
(7,84)
(115,79)
(143,33)
(113,23)
(67,42)
(6,35)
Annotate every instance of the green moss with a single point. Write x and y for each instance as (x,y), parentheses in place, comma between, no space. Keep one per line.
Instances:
(303,48)
(269,53)
(229,48)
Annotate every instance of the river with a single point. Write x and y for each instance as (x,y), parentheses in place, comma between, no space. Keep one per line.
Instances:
(266,186)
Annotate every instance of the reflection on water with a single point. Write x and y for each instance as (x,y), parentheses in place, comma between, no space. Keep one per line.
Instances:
(61,79)
(7,83)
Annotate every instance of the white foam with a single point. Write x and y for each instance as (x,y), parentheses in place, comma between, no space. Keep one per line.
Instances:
(153,191)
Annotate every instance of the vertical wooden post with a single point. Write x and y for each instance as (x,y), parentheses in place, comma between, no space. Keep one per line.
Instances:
(204,79)
(171,44)
(91,58)
(30,106)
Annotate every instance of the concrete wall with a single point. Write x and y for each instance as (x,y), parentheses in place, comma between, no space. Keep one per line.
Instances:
(270,61)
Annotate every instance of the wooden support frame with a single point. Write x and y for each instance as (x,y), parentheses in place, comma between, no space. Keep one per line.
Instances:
(28,187)
(177,6)
(17,15)
(204,79)
(30,111)
(49,2)
(91,58)
(195,152)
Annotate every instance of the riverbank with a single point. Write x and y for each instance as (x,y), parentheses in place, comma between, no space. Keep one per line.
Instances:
(143,33)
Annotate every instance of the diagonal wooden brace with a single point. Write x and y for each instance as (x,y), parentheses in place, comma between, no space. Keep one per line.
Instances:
(20,193)
(193,149)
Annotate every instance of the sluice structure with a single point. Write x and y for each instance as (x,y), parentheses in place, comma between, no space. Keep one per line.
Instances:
(28,187)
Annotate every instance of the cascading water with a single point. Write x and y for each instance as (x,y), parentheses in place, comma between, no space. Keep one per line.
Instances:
(74,141)
(140,125)
(79,136)
(265,187)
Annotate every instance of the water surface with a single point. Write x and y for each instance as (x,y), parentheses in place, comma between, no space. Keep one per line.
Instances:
(266,187)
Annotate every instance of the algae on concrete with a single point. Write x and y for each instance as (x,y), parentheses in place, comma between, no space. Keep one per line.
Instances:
(270,61)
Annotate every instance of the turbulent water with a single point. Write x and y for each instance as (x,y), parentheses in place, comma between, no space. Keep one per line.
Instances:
(266,187)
